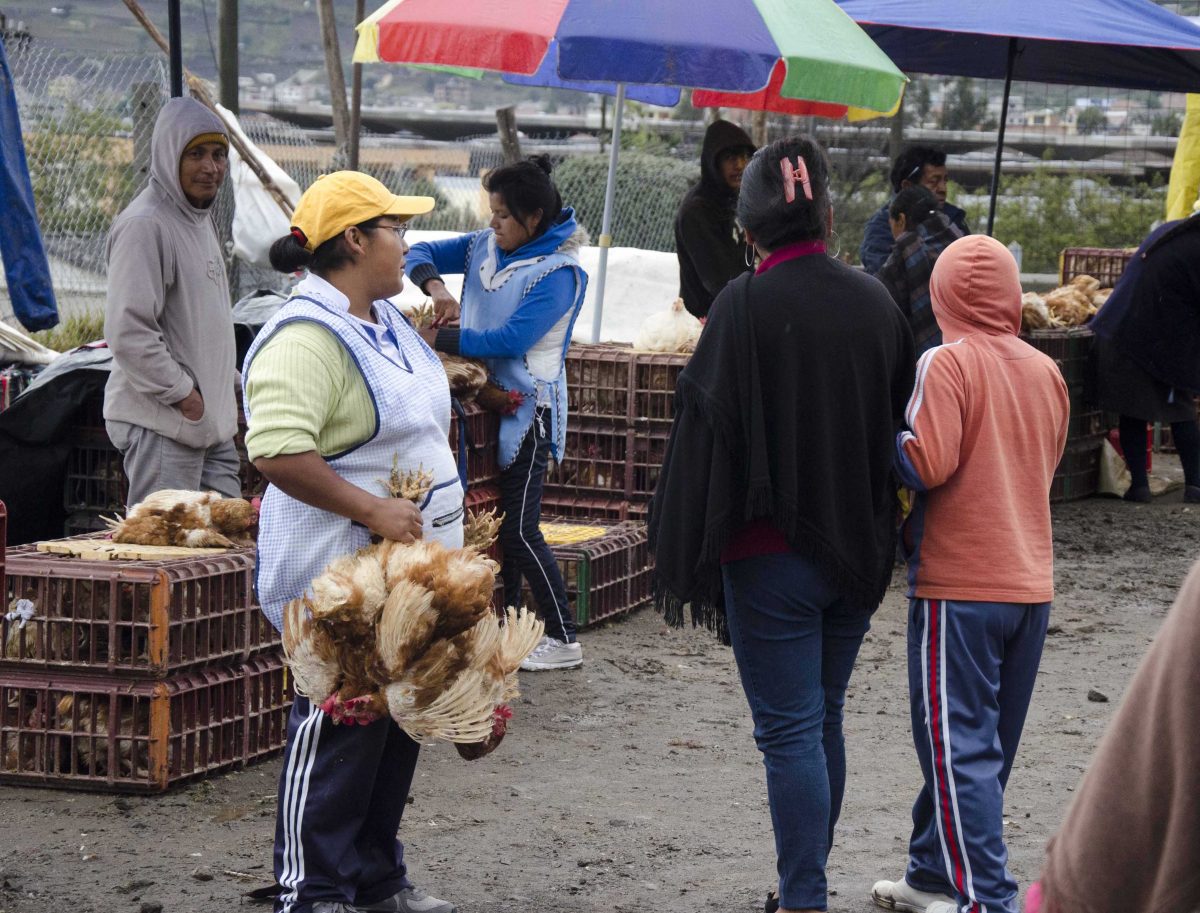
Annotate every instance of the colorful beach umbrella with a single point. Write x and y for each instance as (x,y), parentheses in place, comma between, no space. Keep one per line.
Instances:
(817,53)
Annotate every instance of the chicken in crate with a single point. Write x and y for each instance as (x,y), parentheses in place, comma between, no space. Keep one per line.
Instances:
(408,631)
(99,732)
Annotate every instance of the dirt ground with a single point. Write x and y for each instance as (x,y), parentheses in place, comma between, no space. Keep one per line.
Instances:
(634,784)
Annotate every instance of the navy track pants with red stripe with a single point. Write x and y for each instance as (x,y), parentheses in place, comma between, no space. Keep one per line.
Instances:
(971,673)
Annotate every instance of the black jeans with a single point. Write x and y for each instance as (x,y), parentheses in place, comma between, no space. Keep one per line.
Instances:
(526,554)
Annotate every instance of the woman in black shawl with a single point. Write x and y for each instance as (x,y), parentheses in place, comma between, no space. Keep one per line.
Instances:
(1148,351)
(774,515)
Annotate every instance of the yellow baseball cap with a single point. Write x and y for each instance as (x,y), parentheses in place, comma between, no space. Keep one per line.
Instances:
(339,200)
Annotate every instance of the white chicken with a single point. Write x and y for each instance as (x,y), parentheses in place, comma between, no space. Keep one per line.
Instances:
(672,330)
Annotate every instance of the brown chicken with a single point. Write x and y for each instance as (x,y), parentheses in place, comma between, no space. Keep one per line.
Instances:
(188,519)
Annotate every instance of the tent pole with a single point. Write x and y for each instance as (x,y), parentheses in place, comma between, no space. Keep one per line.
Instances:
(610,192)
(175,39)
(1008,74)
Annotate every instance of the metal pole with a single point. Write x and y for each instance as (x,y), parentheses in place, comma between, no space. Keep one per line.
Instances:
(227,53)
(175,40)
(1008,75)
(610,192)
(356,95)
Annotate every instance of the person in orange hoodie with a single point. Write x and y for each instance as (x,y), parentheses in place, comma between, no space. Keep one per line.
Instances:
(985,429)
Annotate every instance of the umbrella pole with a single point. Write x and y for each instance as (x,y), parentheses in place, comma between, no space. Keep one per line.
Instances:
(175,39)
(1008,74)
(610,192)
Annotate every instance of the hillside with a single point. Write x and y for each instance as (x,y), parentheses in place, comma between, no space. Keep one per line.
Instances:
(276,35)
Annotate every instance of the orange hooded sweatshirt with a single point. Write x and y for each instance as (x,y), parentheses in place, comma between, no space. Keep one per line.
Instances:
(985,429)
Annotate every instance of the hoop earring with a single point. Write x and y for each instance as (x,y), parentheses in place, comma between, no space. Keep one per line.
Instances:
(836,251)
(749,256)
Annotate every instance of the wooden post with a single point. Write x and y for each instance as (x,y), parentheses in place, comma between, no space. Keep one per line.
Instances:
(337,81)
(356,95)
(510,143)
(896,133)
(146,102)
(227,54)
(759,134)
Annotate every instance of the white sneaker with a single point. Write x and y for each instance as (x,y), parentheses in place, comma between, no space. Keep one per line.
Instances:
(900,895)
(552,653)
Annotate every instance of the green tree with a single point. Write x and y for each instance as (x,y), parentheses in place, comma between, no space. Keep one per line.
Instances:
(1091,120)
(1047,212)
(1169,123)
(963,108)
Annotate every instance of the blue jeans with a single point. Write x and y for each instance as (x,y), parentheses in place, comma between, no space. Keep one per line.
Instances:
(795,640)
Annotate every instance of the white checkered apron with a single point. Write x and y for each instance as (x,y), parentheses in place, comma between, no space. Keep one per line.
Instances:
(412,406)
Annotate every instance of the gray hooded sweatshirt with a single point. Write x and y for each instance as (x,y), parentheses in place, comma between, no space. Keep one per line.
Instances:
(168,318)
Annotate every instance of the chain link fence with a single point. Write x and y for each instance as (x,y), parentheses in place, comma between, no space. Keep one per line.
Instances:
(1070,179)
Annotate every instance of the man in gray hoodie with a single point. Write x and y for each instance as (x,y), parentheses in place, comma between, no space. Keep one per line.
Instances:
(169,405)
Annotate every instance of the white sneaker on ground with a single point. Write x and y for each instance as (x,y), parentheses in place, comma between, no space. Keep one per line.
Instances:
(900,895)
(552,653)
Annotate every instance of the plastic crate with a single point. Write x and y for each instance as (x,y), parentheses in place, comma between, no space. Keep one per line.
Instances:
(607,573)
(480,444)
(1078,472)
(599,381)
(608,462)
(1071,349)
(565,503)
(1085,425)
(615,383)
(143,618)
(3,544)
(110,734)
(95,477)
(1101,263)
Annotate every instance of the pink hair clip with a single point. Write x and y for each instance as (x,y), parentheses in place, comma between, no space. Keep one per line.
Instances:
(793,176)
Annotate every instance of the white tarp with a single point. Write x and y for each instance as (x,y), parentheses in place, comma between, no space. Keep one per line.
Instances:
(640,282)
(257,218)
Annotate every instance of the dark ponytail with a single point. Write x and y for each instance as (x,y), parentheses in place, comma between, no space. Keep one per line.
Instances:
(288,255)
(915,202)
(525,187)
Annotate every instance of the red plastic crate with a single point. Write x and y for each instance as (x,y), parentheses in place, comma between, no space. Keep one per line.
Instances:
(3,543)
(564,502)
(1101,263)
(481,443)
(615,383)
(144,618)
(111,734)
(607,461)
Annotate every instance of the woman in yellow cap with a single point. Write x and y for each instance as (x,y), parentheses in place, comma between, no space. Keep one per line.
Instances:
(337,386)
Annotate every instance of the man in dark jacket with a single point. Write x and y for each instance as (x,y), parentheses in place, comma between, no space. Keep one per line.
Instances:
(920,165)
(708,241)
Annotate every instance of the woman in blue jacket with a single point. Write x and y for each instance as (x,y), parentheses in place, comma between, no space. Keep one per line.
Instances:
(522,290)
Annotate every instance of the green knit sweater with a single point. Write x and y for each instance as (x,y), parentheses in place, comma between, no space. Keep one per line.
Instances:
(306,393)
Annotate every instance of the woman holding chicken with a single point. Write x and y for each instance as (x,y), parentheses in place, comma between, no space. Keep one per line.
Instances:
(522,290)
(339,389)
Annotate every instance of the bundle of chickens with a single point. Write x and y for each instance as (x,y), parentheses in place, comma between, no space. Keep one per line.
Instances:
(407,630)
(187,519)
(468,377)
(1070,305)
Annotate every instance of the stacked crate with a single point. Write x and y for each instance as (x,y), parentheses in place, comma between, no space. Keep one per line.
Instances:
(96,485)
(133,676)
(620,404)
(606,567)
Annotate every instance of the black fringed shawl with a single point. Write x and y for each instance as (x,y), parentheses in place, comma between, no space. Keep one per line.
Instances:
(787,411)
